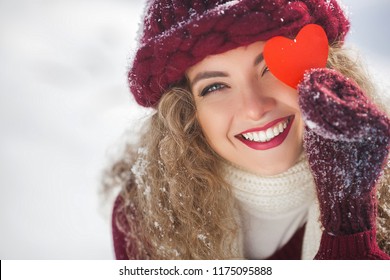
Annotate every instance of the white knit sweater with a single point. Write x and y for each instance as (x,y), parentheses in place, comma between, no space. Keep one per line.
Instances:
(273,208)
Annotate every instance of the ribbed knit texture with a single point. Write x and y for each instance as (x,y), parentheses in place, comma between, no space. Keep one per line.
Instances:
(359,246)
(273,195)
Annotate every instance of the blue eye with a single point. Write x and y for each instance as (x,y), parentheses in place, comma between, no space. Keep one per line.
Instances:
(212,88)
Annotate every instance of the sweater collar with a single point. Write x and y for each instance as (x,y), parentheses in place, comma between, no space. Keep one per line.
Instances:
(275,195)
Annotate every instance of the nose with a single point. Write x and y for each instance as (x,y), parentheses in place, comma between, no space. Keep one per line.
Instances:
(255,103)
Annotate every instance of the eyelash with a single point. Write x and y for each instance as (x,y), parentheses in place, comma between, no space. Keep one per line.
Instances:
(218,86)
(212,88)
(266,69)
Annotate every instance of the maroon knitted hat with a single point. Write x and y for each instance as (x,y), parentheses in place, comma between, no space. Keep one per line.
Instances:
(177,34)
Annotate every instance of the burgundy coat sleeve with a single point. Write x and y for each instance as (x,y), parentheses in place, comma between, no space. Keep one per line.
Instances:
(119,240)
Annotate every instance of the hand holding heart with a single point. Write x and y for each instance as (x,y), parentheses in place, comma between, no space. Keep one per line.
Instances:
(346,137)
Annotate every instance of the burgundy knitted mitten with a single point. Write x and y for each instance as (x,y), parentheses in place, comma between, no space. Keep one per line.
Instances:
(347,143)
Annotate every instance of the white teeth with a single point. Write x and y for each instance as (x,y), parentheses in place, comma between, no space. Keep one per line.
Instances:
(280,127)
(268,135)
(262,136)
(276,131)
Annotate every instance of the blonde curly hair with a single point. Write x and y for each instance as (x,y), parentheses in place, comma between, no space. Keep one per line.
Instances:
(176,202)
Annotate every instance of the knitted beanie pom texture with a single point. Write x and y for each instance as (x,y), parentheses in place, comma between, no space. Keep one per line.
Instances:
(177,34)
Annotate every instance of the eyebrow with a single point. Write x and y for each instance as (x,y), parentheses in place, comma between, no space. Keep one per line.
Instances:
(215,74)
(208,75)
(258,59)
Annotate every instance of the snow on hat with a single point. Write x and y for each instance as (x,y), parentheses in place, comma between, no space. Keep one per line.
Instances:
(177,34)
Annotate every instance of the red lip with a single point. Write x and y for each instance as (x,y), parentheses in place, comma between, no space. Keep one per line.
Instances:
(276,141)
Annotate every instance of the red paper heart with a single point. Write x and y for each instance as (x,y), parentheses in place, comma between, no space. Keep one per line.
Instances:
(289,59)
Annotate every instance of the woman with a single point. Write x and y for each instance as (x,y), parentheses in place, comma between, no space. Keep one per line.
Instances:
(236,164)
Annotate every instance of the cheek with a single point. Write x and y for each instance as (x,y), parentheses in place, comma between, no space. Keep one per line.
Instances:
(286,95)
(214,123)
(299,128)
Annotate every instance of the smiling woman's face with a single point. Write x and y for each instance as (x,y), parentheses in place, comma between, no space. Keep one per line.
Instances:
(248,116)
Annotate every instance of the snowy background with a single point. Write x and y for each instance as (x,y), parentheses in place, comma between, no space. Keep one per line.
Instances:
(64,105)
